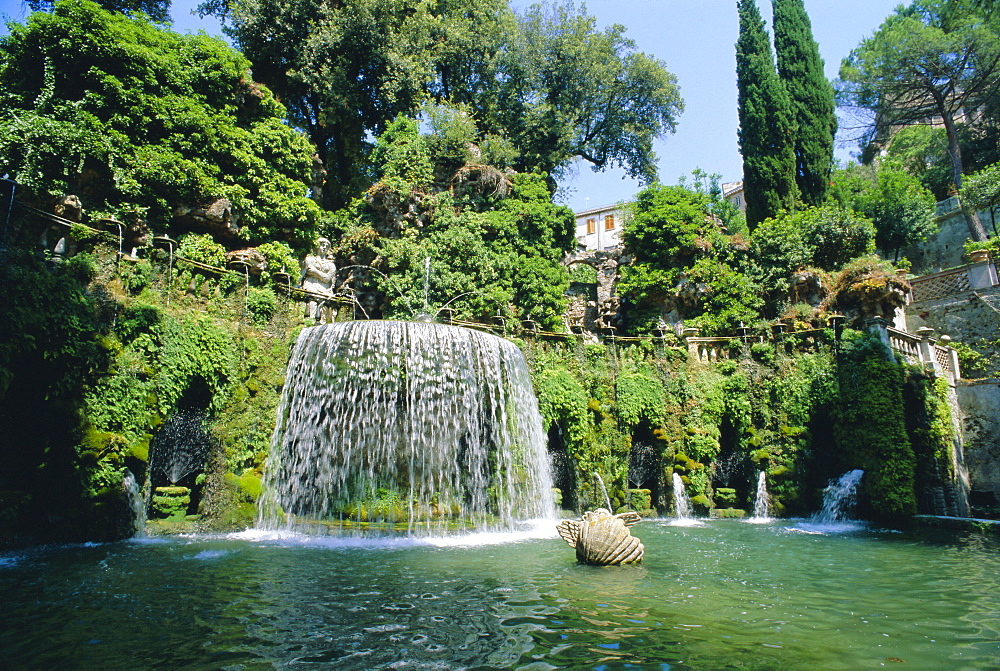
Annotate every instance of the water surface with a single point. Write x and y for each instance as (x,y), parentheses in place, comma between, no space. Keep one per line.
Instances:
(722,595)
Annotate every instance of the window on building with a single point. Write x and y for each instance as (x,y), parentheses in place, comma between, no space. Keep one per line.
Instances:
(591,226)
(609,222)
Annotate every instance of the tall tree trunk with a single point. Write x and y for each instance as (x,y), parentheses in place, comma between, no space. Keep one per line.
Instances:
(976,229)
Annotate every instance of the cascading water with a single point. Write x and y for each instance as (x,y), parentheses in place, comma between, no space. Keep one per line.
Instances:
(838,497)
(682,503)
(133,494)
(429,425)
(761,502)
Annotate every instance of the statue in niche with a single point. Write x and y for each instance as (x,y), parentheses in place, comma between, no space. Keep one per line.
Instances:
(318,275)
(603,539)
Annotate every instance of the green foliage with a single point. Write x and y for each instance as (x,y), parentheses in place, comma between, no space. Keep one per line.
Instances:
(801,70)
(668,227)
(202,248)
(547,83)
(922,151)
(982,189)
(261,304)
(826,237)
(640,398)
(931,59)
(726,298)
(131,116)
(156,10)
(583,273)
(279,257)
(493,251)
(767,122)
(562,400)
(402,154)
(899,206)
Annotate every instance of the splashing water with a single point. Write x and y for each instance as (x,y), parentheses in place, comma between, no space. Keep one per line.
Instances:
(761,502)
(838,498)
(682,506)
(424,428)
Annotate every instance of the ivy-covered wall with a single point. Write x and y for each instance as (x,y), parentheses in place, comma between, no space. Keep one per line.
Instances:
(100,355)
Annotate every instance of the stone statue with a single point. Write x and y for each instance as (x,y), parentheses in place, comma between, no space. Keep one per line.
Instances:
(318,275)
(603,539)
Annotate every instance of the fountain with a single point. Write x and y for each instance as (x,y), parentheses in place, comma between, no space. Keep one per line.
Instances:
(838,498)
(761,502)
(136,503)
(682,505)
(405,426)
(604,490)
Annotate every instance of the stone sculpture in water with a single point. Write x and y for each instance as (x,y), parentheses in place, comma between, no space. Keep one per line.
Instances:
(603,539)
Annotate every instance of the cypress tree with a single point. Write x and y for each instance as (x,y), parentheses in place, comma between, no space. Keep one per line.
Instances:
(767,131)
(801,69)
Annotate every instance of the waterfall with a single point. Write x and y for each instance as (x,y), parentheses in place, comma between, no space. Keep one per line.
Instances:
(838,497)
(761,502)
(682,503)
(133,494)
(415,426)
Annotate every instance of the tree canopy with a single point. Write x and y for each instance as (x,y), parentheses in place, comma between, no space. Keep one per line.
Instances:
(898,204)
(930,60)
(134,118)
(548,82)
(767,126)
(156,10)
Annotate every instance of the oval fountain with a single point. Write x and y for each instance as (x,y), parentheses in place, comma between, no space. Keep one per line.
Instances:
(406,426)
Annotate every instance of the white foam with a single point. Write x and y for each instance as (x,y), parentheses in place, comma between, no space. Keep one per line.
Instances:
(533,529)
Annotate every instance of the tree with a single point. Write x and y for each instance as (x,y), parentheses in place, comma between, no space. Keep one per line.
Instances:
(922,151)
(134,118)
(767,127)
(932,60)
(156,10)
(801,69)
(898,204)
(982,190)
(587,94)
(825,237)
(547,83)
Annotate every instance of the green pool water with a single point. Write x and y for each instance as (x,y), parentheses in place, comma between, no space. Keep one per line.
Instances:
(723,595)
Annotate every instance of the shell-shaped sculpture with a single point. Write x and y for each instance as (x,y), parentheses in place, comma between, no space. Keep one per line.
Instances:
(603,539)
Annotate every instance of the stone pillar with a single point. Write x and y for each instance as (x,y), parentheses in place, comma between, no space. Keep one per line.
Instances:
(689,334)
(879,326)
(982,274)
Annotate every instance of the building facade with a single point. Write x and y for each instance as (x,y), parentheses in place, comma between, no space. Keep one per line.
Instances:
(598,228)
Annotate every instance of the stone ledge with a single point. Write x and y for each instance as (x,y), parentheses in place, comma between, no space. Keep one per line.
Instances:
(964,523)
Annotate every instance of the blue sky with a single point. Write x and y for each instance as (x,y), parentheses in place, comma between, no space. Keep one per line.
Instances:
(695,38)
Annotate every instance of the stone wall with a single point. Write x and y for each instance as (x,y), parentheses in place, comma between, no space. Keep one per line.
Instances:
(980,409)
(945,248)
(967,316)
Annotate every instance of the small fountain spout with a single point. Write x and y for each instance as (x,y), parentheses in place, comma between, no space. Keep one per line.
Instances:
(682,503)
(604,490)
(762,501)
